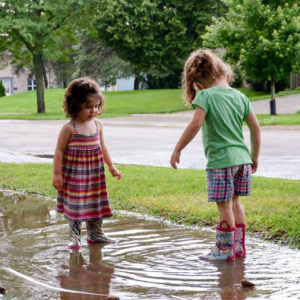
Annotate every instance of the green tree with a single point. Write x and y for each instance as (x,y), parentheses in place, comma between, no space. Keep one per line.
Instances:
(34,30)
(2,89)
(154,35)
(263,36)
(93,58)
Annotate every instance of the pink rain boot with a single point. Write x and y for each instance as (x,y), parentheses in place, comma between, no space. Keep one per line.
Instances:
(224,248)
(75,232)
(240,249)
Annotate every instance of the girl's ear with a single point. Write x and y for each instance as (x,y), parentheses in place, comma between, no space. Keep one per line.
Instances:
(200,85)
(228,78)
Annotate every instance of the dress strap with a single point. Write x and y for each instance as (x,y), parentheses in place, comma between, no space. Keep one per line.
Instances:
(96,125)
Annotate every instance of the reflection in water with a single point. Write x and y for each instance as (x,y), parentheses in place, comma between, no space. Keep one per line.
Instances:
(231,275)
(91,277)
(152,261)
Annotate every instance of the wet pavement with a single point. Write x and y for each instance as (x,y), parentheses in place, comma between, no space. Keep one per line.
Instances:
(152,260)
(149,140)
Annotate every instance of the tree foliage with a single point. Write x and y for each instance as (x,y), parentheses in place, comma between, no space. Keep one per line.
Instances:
(33,31)
(263,36)
(154,35)
(92,58)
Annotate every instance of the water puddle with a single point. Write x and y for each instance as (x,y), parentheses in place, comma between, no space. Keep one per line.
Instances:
(153,260)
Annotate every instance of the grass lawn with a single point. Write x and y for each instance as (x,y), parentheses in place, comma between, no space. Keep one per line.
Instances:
(23,105)
(272,210)
(284,119)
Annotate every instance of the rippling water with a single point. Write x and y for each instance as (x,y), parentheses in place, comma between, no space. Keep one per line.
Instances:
(152,260)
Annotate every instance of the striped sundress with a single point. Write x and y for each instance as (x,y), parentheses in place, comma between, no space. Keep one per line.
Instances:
(84,196)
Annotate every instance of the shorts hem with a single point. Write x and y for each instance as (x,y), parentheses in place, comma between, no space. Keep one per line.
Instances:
(219,200)
(242,194)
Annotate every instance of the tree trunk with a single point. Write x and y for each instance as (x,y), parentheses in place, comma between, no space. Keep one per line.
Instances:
(273,101)
(137,81)
(45,75)
(38,72)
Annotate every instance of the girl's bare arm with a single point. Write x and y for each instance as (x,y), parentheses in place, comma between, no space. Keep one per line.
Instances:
(255,137)
(106,156)
(189,133)
(64,136)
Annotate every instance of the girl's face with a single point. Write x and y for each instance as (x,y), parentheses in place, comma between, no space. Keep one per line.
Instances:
(89,109)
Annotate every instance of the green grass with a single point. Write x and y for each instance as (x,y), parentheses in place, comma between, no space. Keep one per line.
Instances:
(180,196)
(256,96)
(23,105)
(285,119)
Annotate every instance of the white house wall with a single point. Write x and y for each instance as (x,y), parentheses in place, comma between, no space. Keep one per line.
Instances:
(125,84)
(18,83)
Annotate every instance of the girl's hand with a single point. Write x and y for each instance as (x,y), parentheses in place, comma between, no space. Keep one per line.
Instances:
(58,182)
(115,172)
(254,165)
(175,159)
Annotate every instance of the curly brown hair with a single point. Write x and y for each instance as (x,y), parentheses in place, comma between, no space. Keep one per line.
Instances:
(201,65)
(76,94)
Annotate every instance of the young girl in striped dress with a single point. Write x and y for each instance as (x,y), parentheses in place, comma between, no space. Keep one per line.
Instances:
(79,158)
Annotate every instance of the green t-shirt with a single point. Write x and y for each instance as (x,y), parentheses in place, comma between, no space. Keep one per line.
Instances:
(222,130)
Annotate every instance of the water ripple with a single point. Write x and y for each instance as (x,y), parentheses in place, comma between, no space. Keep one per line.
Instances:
(152,260)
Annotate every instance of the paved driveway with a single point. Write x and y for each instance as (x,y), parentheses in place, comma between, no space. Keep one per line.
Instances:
(149,140)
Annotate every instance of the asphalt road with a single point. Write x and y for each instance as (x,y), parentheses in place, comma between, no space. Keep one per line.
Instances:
(149,140)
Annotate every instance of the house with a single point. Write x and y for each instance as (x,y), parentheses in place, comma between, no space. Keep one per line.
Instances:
(13,83)
(24,80)
(122,84)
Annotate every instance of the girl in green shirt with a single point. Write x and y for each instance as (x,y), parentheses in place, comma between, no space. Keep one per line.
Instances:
(221,111)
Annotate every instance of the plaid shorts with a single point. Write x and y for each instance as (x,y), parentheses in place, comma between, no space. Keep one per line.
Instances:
(222,184)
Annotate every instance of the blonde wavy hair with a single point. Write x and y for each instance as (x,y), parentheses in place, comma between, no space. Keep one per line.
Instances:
(202,65)
(76,94)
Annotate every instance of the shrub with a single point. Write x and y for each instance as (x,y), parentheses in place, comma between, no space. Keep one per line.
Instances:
(265,86)
(237,79)
(2,89)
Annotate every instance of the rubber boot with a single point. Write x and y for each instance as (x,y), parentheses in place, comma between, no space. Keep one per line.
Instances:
(240,231)
(95,233)
(224,248)
(75,233)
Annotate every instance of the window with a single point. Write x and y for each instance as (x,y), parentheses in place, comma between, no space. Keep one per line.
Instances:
(7,85)
(31,84)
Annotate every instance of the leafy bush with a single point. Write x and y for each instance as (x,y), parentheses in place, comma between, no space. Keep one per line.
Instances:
(2,89)
(265,86)
(170,81)
(237,79)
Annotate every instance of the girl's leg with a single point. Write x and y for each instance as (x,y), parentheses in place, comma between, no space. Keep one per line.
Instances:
(242,187)
(240,231)
(220,190)
(238,210)
(226,214)
(75,232)
(224,248)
